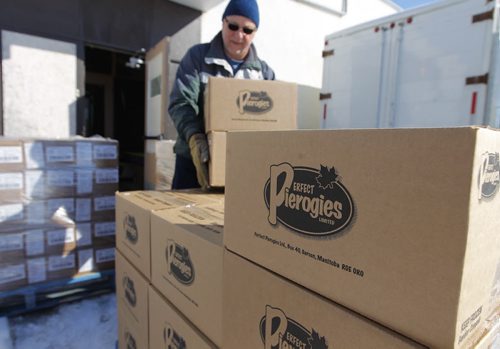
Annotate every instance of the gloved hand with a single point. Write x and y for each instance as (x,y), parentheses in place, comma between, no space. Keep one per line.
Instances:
(199,152)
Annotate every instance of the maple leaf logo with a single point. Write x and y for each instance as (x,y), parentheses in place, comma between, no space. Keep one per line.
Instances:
(317,342)
(327,177)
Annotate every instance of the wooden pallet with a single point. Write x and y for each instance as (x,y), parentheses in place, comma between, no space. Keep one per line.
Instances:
(53,293)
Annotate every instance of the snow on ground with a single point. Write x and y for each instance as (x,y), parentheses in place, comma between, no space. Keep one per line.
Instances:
(89,323)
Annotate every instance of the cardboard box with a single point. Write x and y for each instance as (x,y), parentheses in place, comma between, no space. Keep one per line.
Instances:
(11,246)
(96,152)
(406,217)
(11,155)
(96,259)
(241,104)
(186,258)
(25,240)
(51,183)
(12,275)
(60,239)
(96,181)
(11,187)
(309,111)
(159,164)
(308,117)
(76,152)
(217,164)
(490,339)
(133,221)
(59,153)
(301,318)
(132,301)
(168,328)
(51,267)
(58,266)
(11,214)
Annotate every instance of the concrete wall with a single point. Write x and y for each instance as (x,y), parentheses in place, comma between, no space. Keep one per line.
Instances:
(291,34)
(39,86)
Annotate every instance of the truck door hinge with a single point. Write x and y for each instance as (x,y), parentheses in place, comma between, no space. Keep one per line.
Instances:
(480,79)
(483,16)
(323,96)
(328,53)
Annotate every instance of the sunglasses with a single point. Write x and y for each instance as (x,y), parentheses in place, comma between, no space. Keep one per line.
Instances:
(235,27)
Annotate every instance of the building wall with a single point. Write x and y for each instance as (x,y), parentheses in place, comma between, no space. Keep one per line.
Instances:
(39,79)
(292,40)
(125,26)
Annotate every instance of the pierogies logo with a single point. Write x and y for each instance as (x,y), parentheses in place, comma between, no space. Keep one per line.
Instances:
(280,332)
(307,200)
(130,228)
(254,102)
(179,262)
(489,175)
(172,339)
(129,289)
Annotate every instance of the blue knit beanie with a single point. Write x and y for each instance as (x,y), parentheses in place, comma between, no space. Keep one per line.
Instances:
(245,8)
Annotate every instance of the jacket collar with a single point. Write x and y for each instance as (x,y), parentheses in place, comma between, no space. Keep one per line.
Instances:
(216,55)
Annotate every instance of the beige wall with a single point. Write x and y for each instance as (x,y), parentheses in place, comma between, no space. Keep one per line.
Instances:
(39,86)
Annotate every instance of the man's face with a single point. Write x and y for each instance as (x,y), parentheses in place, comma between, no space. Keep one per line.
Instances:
(237,35)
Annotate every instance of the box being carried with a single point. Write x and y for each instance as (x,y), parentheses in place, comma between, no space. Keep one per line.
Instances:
(237,104)
(399,225)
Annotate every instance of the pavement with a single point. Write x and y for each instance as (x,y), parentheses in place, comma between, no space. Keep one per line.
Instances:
(84,324)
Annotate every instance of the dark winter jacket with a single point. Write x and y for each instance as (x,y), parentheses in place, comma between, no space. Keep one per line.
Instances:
(186,99)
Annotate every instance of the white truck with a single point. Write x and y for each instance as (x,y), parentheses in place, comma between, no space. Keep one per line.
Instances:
(432,66)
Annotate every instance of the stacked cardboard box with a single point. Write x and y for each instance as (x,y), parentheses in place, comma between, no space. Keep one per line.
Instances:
(234,104)
(169,268)
(400,226)
(56,208)
(159,164)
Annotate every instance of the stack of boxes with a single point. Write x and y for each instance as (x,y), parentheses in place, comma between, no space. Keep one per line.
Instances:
(400,226)
(232,104)
(169,269)
(348,239)
(56,208)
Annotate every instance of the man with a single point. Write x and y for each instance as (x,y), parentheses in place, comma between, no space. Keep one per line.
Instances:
(229,54)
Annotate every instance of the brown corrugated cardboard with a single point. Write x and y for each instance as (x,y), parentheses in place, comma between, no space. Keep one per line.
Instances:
(186,258)
(168,328)
(242,104)
(96,258)
(128,335)
(490,338)
(217,164)
(11,247)
(11,187)
(133,220)
(12,275)
(11,155)
(399,225)
(96,181)
(301,318)
(98,152)
(61,266)
(159,164)
(132,301)
(309,113)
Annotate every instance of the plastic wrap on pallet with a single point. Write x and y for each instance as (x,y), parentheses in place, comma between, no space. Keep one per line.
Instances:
(96,258)
(18,243)
(57,196)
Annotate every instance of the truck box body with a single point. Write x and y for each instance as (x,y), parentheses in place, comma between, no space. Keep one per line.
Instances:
(431,66)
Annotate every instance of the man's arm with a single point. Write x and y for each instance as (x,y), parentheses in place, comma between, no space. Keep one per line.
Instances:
(183,107)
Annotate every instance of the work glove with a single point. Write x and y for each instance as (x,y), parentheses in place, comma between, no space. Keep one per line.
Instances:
(199,152)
